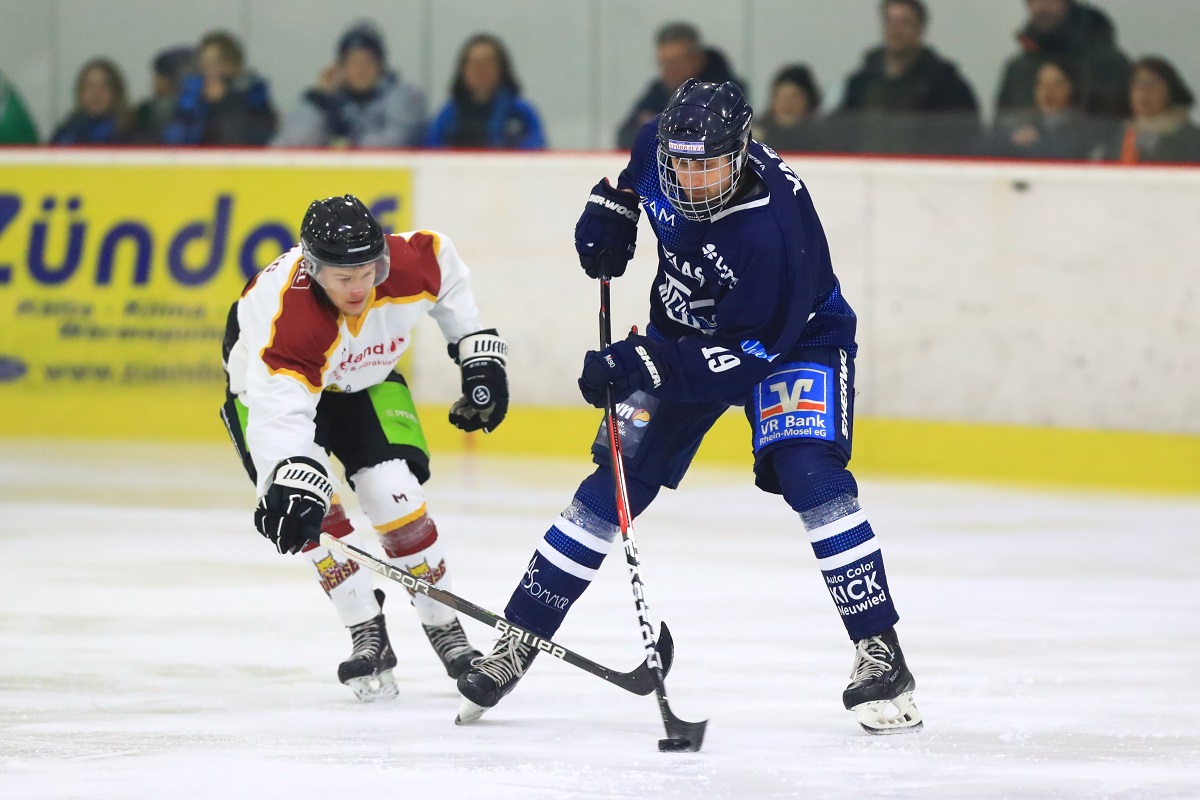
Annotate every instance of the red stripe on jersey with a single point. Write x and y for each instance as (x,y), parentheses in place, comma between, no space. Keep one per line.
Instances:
(303,333)
(415,270)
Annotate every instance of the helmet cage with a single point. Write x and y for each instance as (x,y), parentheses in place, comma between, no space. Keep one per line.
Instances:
(315,266)
(712,180)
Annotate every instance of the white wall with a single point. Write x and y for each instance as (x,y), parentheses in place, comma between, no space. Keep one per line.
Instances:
(1041,295)
(582,61)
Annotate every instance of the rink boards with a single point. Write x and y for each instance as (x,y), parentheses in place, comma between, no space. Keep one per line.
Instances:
(1017,322)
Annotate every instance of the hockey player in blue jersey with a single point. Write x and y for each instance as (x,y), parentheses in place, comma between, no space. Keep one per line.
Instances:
(745,310)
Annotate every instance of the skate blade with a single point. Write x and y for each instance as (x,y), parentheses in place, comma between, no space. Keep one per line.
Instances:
(468,712)
(899,715)
(373,688)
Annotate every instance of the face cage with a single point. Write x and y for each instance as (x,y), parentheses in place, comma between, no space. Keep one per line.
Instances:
(701,210)
(315,266)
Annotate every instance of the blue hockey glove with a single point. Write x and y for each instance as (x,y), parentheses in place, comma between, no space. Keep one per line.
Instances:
(626,366)
(606,234)
(291,512)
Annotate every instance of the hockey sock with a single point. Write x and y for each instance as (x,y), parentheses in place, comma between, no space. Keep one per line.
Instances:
(849,556)
(567,558)
(350,589)
(412,544)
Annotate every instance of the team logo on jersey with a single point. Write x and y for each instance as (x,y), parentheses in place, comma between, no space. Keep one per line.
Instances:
(794,403)
(333,572)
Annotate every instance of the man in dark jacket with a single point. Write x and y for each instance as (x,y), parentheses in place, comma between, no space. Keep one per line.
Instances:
(905,98)
(1079,33)
(680,55)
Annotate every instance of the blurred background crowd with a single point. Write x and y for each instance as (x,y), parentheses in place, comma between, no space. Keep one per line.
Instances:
(1067,91)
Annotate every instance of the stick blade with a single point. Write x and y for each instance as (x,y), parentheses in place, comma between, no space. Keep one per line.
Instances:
(683,737)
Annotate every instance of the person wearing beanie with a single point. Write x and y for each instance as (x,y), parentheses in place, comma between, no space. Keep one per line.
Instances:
(357,101)
(154,112)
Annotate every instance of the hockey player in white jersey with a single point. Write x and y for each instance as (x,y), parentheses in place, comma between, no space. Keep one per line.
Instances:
(310,352)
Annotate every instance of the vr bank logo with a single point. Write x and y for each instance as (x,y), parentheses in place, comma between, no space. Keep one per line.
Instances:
(797,390)
(794,404)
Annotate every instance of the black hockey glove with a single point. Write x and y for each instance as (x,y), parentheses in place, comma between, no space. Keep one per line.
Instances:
(606,233)
(482,356)
(291,512)
(626,366)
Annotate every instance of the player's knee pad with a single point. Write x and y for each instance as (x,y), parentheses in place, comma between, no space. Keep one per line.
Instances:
(336,524)
(393,500)
(813,478)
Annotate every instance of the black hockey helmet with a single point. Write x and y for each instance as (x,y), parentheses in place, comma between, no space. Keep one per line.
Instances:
(342,232)
(707,122)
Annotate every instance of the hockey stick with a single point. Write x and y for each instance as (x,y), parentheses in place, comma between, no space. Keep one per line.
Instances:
(681,735)
(640,681)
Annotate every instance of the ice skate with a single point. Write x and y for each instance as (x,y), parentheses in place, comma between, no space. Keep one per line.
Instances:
(368,671)
(881,687)
(450,643)
(492,677)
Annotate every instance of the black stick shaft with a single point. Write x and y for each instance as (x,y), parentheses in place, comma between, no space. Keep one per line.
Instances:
(692,733)
(640,681)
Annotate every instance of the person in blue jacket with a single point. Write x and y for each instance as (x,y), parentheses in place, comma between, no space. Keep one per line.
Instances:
(745,310)
(486,109)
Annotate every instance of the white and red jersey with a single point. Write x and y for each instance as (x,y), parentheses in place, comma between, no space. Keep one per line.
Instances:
(293,344)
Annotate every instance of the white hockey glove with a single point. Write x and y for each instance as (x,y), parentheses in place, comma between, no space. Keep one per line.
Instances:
(482,357)
(291,512)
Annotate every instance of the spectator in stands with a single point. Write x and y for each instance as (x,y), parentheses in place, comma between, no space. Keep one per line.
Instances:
(226,103)
(1079,33)
(485,108)
(1056,127)
(101,114)
(906,98)
(792,122)
(681,55)
(1161,130)
(16,126)
(153,113)
(358,101)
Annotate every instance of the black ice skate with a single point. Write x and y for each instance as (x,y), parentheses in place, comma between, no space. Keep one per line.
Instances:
(368,671)
(881,687)
(492,677)
(450,643)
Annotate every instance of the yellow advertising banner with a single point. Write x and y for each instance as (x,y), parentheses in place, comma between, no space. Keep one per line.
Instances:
(116,281)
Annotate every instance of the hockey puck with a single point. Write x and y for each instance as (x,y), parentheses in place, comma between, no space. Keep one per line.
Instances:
(676,746)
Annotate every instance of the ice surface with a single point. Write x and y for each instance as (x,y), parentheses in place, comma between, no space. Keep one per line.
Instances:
(153,645)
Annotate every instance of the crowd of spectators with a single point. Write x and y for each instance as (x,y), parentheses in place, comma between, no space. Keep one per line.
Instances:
(1069,92)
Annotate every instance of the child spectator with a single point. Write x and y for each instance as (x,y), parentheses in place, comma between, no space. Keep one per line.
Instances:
(153,113)
(792,123)
(225,104)
(358,101)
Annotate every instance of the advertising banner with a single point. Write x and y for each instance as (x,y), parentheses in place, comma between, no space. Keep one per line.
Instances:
(116,280)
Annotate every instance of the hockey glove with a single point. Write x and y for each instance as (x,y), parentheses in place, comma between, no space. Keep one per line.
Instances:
(291,512)
(626,366)
(482,356)
(606,233)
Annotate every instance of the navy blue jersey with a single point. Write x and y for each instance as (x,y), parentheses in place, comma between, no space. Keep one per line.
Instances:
(744,289)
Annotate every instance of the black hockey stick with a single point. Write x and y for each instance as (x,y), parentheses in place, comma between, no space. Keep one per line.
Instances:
(640,681)
(681,735)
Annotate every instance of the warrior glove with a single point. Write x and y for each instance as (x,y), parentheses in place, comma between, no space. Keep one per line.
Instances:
(482,357)
(627,366)
(606,233)
(291,512)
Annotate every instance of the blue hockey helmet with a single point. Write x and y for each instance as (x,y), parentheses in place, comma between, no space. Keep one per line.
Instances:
(702,137)
(342,232)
